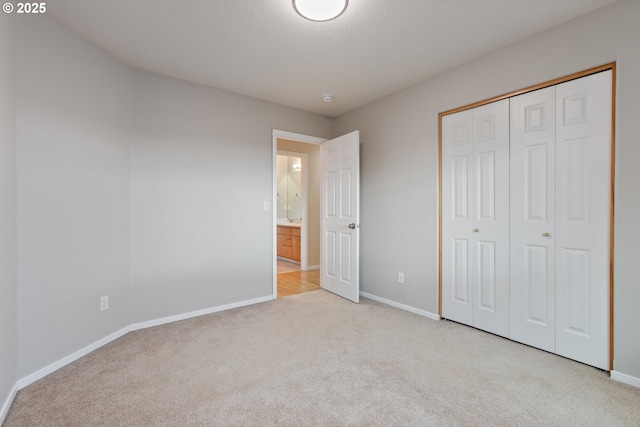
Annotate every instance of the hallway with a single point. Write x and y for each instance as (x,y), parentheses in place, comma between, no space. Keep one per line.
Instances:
(292,280)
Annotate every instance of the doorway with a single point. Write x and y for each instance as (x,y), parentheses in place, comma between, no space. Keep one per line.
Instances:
(296,213)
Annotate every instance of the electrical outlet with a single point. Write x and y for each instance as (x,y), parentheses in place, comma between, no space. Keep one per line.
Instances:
(266,205)
(400,277)
(104,303)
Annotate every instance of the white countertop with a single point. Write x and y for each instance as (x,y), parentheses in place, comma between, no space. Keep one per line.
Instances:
(289,224)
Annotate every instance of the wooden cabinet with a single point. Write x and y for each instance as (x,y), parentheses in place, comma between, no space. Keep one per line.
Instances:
(284,242)
(289,242)
(295,244)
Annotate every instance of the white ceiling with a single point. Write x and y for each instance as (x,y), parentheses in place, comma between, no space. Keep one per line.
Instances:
(263,49)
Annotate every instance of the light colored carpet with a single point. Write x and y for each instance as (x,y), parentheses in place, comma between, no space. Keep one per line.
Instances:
(315,359)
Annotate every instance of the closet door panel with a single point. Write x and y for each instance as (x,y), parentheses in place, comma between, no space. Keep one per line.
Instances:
(490,220)
(457,205)
(532,226)
(583,150)
(536,284)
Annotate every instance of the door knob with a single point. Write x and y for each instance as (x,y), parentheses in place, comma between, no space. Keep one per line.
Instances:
(546,234)
(352,226)
(476,230)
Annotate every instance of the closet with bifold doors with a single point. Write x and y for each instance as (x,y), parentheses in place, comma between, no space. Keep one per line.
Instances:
(526,217)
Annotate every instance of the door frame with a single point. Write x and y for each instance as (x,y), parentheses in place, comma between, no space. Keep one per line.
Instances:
(610,66)
(306,139)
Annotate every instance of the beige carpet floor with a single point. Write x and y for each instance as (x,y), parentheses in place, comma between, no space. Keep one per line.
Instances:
(315,359)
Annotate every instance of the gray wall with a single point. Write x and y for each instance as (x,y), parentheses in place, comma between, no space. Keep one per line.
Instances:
(164,219)
(399,162)
(200,173)
(7,213)
(73,133)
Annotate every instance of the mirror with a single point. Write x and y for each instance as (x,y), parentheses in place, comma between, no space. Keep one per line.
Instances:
(289,196)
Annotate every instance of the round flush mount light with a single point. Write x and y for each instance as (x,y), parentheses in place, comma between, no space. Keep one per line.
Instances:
(320,10)
(327,97)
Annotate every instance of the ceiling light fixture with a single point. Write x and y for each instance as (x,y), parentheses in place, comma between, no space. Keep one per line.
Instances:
(320,10)
(327,97)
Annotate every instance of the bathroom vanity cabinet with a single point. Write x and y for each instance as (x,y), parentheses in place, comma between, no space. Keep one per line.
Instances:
(289,242)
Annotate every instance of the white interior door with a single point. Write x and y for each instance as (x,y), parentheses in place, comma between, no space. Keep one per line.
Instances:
(457,225)
(475,217)
(583,153)
(490,219)
(532,198)
(339,263)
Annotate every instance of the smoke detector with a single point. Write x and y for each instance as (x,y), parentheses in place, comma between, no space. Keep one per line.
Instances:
(327,97)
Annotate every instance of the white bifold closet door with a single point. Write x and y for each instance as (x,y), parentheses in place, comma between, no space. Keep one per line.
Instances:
(475,215)
(533,176)
(560,200)
(526,196)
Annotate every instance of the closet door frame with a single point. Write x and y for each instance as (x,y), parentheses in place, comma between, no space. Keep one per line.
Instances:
(610,66)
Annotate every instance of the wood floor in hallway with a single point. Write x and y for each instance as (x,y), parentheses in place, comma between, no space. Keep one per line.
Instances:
(292,280)
(297,282)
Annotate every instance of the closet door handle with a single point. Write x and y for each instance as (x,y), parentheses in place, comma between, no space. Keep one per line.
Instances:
(476,230)
(546,234)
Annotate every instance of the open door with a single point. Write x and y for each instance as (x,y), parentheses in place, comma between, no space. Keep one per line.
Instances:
(340,242)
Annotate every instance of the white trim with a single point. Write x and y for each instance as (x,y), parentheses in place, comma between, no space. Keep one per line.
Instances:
(404,307)
(7,403)
(313,267)
(191,314)
(297,137)
(624,378)
(292,261)
(274,212)
(41,373)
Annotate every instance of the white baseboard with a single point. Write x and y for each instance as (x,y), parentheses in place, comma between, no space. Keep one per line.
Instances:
(191,314)
(41,373)
(404,307)
(313,267)
(7,403)
(293,261)
(624,378)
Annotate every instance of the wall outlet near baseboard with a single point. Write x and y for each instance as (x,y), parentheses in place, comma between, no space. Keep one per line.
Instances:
(400,277)
(104,303)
